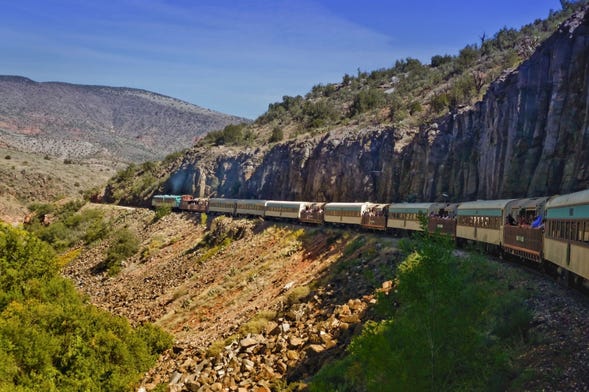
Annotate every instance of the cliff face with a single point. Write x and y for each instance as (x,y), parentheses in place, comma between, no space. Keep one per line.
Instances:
(529,136)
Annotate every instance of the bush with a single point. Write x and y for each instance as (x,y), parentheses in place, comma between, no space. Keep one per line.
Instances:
(162,211)
(277,135)
(438,60)
(366,100)
(52,339)
(232,134)
(440,102)
(448,326)
(69,224)
(124,244)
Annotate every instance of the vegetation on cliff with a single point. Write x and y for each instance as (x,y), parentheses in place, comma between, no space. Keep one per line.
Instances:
(51,338)
(408,94)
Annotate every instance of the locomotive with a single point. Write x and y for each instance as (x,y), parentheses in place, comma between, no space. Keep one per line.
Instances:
(549,230)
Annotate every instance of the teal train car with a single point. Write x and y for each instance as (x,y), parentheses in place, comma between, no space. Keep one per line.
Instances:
(172,201)
(482,220)
(566,237)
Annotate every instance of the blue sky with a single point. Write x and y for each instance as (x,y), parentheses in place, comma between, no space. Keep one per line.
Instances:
(238,56)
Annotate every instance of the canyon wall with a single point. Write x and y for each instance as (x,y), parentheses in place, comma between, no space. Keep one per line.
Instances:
(529,136)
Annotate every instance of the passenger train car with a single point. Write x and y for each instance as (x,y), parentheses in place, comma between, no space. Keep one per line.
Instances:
(544,229)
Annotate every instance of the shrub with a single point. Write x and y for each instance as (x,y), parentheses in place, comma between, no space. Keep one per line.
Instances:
(52,339)
(448,326)
(124,244)
(438,60)
(366,100)
(162,211)
(296,294)
(277,135)
(440,102)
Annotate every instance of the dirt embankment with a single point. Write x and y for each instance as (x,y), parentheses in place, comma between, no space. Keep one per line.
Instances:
(256,304)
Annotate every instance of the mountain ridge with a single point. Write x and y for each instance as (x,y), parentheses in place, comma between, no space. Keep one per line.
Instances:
(89,121)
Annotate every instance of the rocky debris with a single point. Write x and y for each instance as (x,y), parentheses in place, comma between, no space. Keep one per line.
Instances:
(290,348)
(560,328)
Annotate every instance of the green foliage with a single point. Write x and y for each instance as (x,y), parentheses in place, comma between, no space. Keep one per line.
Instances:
(414,107)
(23,258)
(232,135)
(318,113)
(440,102)
(162,211)
(449,326)
(467,57)
(70,224)
(277,135)
(354,245)
(126,174)
(51,339)
(366,100)
(438,60)
(124,244)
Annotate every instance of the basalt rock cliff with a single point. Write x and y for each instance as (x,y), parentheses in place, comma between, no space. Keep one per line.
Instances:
(528,136)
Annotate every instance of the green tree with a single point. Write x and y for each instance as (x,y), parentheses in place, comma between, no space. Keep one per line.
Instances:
(440,331)
(467,57)
(51,339)
(125,244)
(438,60)
(366,100)
(277,135)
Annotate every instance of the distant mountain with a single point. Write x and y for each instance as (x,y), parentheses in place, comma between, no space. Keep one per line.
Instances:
(112,123)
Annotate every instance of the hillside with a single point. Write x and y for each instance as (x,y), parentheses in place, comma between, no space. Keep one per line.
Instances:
(507,119)
(27,178)
(108,123)
(261,304)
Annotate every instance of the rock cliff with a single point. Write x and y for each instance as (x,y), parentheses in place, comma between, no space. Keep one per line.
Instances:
(528,136)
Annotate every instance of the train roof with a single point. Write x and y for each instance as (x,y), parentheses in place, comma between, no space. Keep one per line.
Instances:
(572,199)
(222,199)
(376,205)
(485,204)
(271,203)
(533,202)
(251,201)
(344,206)
(412,207)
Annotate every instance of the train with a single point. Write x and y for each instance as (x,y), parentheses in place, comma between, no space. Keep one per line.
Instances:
(551,230)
